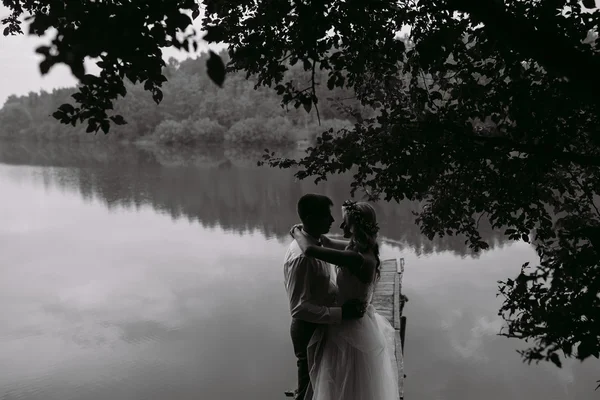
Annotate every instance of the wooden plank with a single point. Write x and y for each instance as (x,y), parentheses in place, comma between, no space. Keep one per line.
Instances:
(387,315)
(382,286)
(387,276)
(388,265)
(385,302)
(386,280)
(388,311)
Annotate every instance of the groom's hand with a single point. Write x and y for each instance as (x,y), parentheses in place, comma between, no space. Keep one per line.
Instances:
(353,309)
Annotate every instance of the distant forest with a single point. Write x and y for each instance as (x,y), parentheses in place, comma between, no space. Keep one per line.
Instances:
(194,111)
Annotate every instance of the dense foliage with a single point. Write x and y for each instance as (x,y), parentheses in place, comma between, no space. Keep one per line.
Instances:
(491,112)
(193,112)
(526,69)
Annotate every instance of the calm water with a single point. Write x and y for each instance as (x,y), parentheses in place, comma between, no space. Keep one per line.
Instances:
(131,274)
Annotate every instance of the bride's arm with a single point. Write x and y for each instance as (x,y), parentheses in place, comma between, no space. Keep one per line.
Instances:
(349,259)
(336,244)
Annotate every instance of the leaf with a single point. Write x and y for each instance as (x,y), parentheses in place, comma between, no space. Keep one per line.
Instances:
(77,68)
(589,3)
(215,68)
(118,119)
(307,105)
(105,125)
(586,349)
(89,79)
(182,21)
(91,127)
(121,90)
(195,13)
(213,35)
(556,360)
(157,96)
(567,349)
(67,108)
(280,89)
(331,82)
(43,50)
(435,95)
(45,66)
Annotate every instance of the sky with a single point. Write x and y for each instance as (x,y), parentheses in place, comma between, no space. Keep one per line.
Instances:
(19,64)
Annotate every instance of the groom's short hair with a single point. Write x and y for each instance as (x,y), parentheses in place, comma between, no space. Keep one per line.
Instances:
(311,204)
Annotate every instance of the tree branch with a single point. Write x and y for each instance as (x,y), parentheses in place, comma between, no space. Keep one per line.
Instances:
(314,91)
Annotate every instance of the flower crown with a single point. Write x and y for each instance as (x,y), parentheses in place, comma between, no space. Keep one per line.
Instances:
(356,216)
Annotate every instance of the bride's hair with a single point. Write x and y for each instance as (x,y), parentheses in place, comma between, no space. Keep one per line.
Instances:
(362,220)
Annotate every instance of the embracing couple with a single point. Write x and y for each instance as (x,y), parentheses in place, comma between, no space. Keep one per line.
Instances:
(344,349)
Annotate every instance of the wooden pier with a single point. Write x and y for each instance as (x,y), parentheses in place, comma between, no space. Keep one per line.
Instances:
(389,302)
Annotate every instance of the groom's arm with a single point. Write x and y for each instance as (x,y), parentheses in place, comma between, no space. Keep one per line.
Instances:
(302,305)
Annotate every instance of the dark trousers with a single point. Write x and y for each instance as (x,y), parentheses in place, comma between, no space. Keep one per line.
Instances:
(301,332)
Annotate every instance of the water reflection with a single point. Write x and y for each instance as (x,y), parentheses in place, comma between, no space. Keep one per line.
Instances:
(136,274)
(124,305)
(213,186)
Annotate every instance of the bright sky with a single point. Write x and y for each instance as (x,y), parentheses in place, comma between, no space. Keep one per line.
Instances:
(19,64)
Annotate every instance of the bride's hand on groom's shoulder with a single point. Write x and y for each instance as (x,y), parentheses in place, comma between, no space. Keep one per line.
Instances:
(325,241)
(296,228)
(301,238)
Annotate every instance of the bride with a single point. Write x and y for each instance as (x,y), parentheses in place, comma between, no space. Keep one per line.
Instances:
(354,360)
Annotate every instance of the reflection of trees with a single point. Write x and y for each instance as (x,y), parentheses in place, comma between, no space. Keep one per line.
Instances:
(211,187)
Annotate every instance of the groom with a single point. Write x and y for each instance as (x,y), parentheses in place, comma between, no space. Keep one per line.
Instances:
(310,287)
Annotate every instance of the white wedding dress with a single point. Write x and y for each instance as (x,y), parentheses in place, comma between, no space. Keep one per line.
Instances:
(354,360)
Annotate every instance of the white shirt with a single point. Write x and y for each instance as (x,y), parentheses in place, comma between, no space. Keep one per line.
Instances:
(310,287)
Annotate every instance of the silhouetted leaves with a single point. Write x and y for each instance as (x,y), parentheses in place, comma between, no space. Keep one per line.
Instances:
(475,120)
(126,36)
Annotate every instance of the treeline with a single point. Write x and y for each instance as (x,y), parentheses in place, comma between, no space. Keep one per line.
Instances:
(194,111)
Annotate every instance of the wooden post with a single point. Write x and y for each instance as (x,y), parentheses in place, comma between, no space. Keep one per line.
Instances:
(402,331)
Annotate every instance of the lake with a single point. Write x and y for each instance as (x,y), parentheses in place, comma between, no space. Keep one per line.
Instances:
(130,273)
